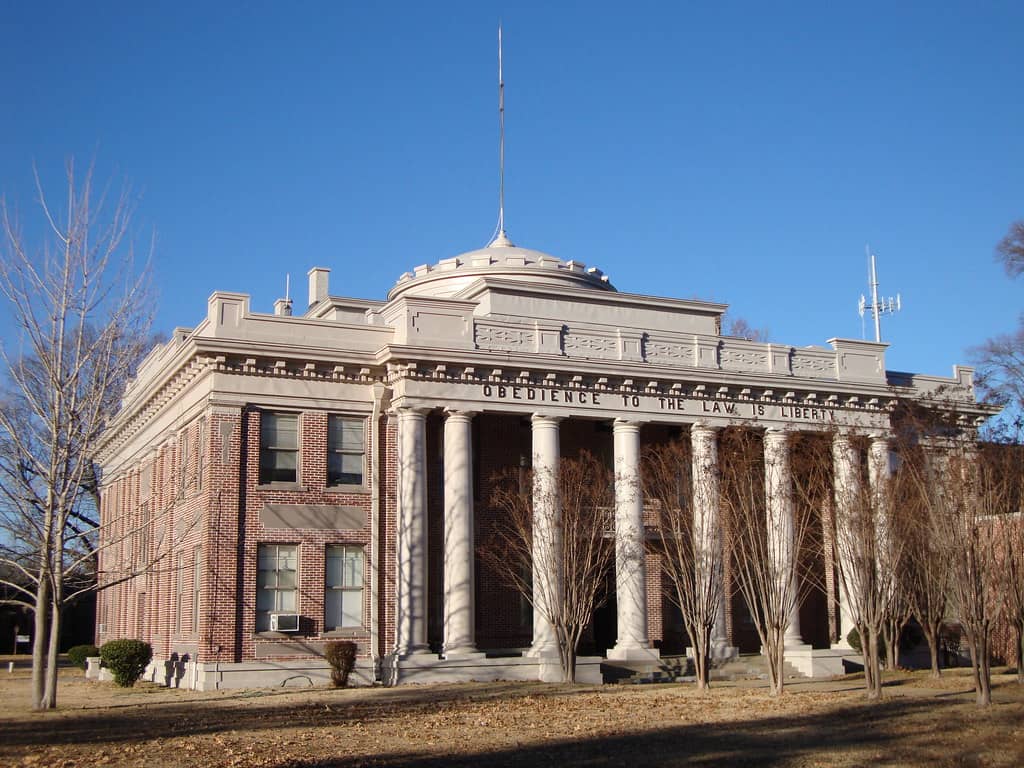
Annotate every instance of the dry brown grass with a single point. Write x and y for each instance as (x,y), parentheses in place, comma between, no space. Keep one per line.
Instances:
(920,722)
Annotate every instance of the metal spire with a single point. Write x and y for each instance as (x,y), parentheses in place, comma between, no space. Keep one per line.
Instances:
(500,238)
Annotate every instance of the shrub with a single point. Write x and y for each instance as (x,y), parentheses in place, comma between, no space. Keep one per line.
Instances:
(77,654)
(853,639)
(126,660)
(341,655)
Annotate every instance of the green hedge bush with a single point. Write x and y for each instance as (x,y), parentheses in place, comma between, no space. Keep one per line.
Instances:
(77,654)
(126,660)
(341,655)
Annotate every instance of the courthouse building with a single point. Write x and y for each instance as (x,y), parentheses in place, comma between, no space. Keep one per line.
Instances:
(297,478)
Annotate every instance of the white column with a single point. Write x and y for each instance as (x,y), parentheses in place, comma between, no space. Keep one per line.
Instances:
(778,484)
(707,527)
(630,571)
(879,474)
(547,545)
(458,533)
(411,581)
(846,484)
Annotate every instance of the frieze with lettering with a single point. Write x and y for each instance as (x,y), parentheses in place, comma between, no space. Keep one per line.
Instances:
(582,399)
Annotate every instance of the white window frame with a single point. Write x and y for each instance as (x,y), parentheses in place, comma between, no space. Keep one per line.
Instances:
(336,592)
(266,449)
(273,586)
(197,584)
(179,566)
(334,449)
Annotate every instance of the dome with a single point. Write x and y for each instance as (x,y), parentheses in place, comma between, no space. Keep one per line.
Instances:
(499,259)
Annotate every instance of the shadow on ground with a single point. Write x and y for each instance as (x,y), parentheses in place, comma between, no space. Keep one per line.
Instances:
(900,730)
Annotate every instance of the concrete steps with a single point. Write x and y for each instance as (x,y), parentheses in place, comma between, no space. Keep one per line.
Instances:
(679,669)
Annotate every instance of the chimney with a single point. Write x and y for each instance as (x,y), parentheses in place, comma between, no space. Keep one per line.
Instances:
(283,307)
(318,284)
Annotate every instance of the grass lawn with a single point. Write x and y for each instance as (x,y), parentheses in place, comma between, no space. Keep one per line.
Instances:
(919,722)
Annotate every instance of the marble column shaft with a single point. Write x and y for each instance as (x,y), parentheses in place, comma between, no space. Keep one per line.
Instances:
(411,581)
(847,492)
(778,484)
(630,570)
(879,474)
(547,545)
(459,611)
(707,526)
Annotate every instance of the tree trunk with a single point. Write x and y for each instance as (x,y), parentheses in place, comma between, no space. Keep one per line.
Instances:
(972,646)
(50,693)
(40,641)
(1020,650)
(892,643)
(701,657)
(872,666)
(984,671)
(931,634)
(776,655)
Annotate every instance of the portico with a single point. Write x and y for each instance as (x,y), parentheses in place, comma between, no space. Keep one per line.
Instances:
(461,406)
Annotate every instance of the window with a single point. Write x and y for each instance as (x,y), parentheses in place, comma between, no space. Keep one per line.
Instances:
(197,574)
(279,447)
(343,596)
(145,522)
(346,450)
(200,454)
(277,569)
(184,447)
(180,590)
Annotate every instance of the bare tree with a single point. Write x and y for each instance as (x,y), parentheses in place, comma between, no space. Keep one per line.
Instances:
(1010,531)
(1010,250)
(560,563)
(767,537)
(972,494)
(1000,359)
(1014,538)
(927,572)
(868,553)
(80,307)
(741,328)
(683,488)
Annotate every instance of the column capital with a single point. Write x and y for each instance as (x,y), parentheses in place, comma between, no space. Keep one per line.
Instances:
(776,435)
(626,425)
(541,419)
(703,428)
(842,437)
(455,414)
(411,412)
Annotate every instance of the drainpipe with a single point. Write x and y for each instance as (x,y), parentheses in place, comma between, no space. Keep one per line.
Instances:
(378,396)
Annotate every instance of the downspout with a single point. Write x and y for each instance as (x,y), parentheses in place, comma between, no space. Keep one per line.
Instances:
(378,396)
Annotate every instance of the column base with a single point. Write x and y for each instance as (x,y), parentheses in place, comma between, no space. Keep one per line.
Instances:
(820,663)
(418,651)
(542,651)
(720,652)
(633,653)
(463,654)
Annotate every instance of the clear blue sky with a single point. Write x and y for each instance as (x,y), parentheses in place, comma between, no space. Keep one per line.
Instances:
(737,152)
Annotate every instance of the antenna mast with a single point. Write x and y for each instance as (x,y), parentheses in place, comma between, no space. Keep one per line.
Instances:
(878,308)
(501,143)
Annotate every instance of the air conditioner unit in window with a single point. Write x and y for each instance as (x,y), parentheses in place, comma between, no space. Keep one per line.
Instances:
(284,622)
